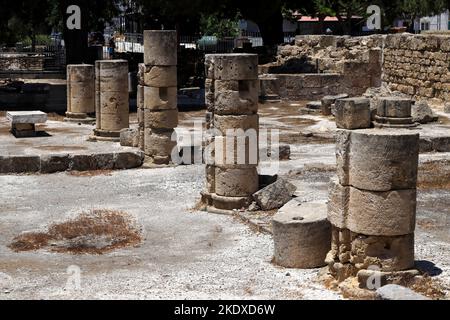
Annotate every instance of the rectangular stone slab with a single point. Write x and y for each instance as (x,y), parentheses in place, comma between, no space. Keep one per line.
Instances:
(26,117)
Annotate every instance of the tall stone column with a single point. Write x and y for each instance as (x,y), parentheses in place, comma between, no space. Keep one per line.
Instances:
(233,88)
(372,204)
(80,93)
(159,73)
(112,100)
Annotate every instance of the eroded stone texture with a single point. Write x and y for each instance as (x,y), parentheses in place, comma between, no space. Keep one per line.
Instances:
(353,113)
(388,213)
(80,92)
(394,112)
(112,100)
(232,89)
(236,182)
(302,235)
(378,160)
(159,81)
(352,252)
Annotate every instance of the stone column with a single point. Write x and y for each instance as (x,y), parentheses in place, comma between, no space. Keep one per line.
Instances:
(394,112)
(372,203)
(112,100)
(80,93)
(160,95)
(233,177)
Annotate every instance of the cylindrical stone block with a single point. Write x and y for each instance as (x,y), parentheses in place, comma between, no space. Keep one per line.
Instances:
(236,182)
(302,235)
(160,47)
(378,160)
(164,119)
(160,76)
(112,100)
(236,97)
(160,143)
(360,252)
(227,124)
(394,107)
(391,213)
(80,89)
(160,98)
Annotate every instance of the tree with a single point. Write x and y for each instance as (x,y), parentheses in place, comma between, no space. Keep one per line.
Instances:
(94,15)
(21,19)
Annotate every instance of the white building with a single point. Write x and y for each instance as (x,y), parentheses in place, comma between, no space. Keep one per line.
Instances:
(435,23)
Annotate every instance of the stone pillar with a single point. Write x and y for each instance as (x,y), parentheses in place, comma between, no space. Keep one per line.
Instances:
(232,178)
(160,113)
(80,93)
(394,112)
(372,203)
(112,100)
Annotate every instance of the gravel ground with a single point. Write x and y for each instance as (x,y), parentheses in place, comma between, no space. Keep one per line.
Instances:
(185,254)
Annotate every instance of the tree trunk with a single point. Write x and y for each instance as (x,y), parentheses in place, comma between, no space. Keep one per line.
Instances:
(76,41)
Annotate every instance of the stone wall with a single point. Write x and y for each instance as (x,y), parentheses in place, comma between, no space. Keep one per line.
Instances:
(21,62)
(316,66)
(418,65)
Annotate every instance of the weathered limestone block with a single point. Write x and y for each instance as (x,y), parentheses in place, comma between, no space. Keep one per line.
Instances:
(160,143)
(236,182)
(236,97)
(160,98)
(353,113)
(80,90)
(302,235)
(164,119)
(222,124)
(391,213)
(160,47)
(352,252)
(377,160)
(112,100)
(160,76)
(235,67)
(394,107)
(236,151)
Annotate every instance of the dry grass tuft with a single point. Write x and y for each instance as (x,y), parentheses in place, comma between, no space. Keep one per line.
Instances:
(96,232)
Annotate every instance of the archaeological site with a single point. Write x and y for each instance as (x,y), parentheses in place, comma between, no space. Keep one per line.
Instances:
(158,167)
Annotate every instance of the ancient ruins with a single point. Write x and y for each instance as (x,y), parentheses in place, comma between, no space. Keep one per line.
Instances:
(111,99)
(359,201)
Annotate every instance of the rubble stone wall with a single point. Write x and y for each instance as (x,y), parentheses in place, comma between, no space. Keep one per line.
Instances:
(21,62)
(417,65)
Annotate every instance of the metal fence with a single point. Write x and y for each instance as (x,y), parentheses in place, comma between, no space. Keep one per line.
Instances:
(133,42)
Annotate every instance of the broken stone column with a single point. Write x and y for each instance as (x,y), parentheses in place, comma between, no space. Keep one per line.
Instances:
(394,112)
(80,93)
(302,235)
(159,73)
(112,100)
(232,100)
(372,202)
